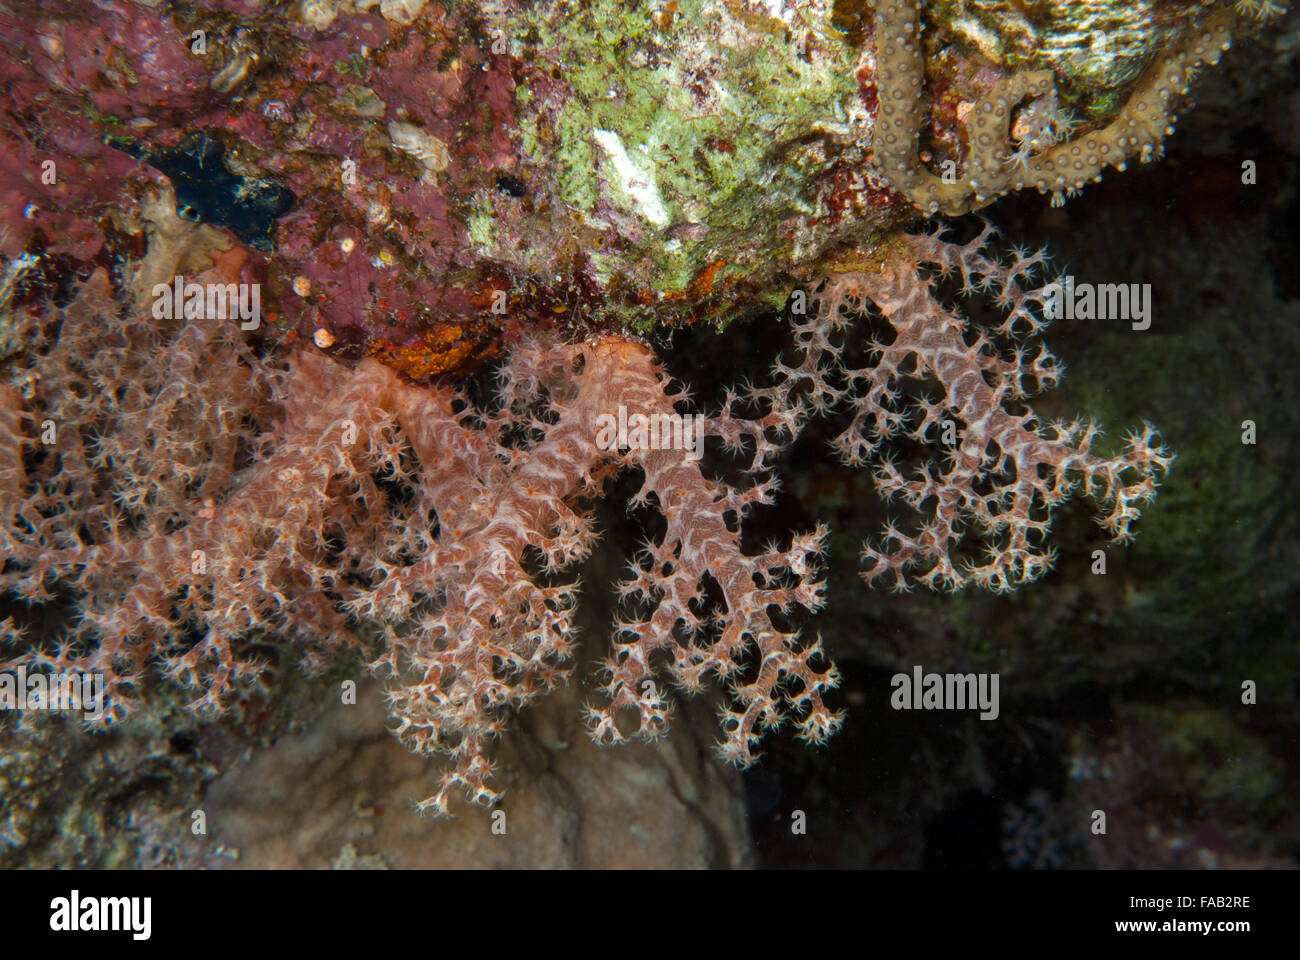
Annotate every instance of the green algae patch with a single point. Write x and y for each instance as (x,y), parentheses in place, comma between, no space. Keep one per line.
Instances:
(695,132)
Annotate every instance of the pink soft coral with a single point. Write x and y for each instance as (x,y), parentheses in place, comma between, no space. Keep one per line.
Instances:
(199,500)
(1003,469)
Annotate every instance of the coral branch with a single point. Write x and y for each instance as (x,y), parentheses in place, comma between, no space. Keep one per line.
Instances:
(203,505)
(699,546)
(1004,470)
(308,500)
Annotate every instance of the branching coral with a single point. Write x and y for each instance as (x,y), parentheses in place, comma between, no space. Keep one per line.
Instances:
(197,499)
(1003,468)
(137,433)
(1262,9)
(506,488)
(201,503)
(1137,130)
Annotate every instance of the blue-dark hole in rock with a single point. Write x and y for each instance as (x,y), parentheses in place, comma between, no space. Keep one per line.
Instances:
(207,191)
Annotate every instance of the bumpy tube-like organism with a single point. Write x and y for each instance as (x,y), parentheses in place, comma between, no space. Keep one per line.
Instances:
(1137,131)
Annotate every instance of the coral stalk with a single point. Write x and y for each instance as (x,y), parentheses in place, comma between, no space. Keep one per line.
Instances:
(1137,131)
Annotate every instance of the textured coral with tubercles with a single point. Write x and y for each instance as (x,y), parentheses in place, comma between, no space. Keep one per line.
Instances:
(1137,132)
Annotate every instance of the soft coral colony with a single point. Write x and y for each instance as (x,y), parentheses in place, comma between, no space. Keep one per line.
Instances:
(202,495)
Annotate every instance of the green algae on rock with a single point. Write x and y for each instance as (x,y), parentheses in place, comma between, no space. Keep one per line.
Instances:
(697,141)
